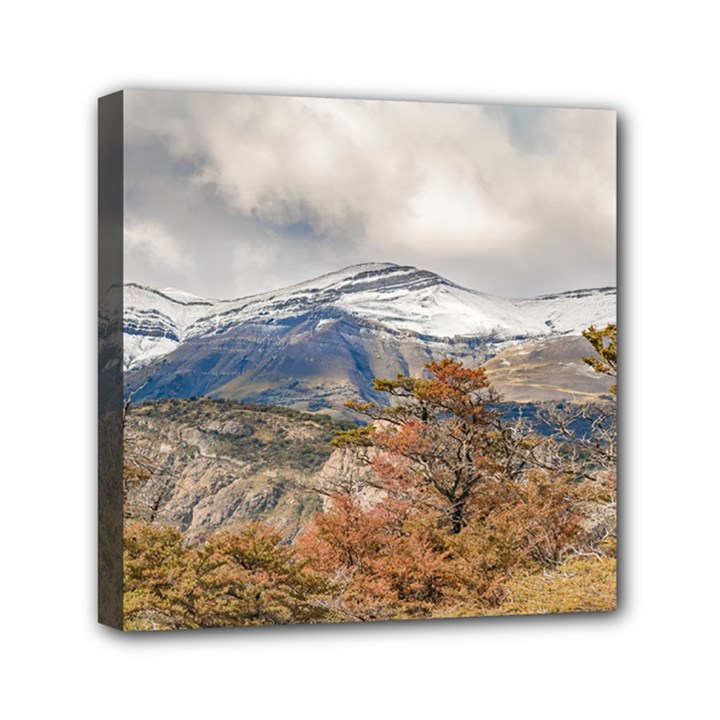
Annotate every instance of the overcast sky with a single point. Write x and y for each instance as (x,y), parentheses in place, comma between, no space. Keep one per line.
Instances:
(228,195)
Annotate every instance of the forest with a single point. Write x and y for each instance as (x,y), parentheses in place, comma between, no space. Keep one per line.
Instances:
(464,513)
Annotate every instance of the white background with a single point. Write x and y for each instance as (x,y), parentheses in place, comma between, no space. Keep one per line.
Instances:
(657,64)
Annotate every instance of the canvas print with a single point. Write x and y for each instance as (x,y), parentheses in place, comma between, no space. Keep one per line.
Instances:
(368,361)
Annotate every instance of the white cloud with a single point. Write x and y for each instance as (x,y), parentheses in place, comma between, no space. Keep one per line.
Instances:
(151,241)
(439,180)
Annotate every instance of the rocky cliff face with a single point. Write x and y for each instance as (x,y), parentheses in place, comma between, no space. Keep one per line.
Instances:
(205,464)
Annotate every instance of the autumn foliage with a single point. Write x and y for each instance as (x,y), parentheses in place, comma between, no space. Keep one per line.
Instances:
(232,578)
(464,513)
(469,502)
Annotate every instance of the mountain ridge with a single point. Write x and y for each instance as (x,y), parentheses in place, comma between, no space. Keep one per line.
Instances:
(321,342)
(357,281)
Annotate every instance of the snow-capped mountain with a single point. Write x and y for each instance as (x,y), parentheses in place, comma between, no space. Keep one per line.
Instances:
(337,331)
(399,298)
(156,322)
(574,311)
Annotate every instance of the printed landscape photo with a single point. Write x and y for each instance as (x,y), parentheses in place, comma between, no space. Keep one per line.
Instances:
(369,356)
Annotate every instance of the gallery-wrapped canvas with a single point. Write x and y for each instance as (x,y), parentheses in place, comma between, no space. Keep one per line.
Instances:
(357,360)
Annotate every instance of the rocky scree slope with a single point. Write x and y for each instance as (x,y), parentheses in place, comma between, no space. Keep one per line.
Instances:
(204,464)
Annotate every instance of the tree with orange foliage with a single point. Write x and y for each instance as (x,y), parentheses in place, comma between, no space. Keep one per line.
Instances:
(381,562)
(466,501)
(442,443)
(440,460)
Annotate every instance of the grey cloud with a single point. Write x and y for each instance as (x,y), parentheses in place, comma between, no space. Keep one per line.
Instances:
(251,193)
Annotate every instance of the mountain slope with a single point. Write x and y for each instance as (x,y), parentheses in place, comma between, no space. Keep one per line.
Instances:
(320,343)
(204,464)
(396,297)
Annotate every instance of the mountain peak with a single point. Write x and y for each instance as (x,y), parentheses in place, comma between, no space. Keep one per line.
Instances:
(354,277)
(180,295)
(368,267)
(351,272)
(396,300)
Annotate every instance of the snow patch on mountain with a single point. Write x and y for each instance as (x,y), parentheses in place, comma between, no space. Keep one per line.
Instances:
(181,296)
(444,311)
(155,322)
(139,350)
(573,311)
